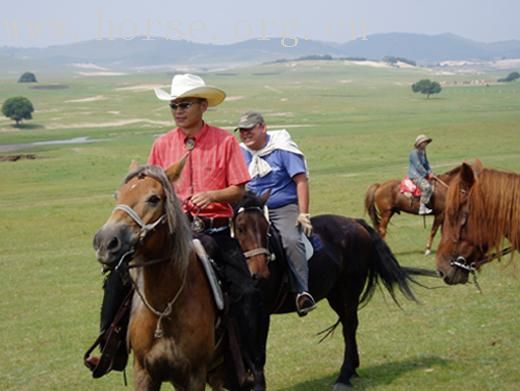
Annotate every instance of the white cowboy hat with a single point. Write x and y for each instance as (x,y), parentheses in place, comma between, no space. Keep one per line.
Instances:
(421,139)
(191,86)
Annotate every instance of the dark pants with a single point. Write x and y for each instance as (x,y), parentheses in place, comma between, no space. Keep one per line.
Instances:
(245,299)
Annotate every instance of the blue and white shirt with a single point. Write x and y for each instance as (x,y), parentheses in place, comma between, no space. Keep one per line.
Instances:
(284,165)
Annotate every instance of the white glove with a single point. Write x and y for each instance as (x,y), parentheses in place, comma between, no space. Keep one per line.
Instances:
(304,219)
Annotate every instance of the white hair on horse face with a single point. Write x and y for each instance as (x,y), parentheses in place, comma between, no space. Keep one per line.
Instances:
(178,227)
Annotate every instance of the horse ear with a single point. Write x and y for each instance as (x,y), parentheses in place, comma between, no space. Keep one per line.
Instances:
(467,175)
(174,171)
(477,167)
(265,196)
(134,165)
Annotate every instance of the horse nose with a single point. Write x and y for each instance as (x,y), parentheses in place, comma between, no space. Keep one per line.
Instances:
(108,242)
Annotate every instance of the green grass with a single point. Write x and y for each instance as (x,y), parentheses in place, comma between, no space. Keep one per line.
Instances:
(356,126)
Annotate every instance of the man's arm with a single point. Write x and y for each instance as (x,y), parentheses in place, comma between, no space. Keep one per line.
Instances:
(302,190)
(229,194)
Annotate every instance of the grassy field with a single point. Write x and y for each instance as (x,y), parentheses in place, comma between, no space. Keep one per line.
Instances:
(356,126)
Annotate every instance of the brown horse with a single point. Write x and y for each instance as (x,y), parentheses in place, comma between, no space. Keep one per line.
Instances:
(346,268)
(482,209)
(383,200)
(173,316)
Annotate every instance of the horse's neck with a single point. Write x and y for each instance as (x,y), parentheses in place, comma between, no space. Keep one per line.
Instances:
(161,282)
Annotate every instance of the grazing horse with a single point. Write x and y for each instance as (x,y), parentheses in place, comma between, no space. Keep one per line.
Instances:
(346,270)
(383,200)
(482,209)
(173,315)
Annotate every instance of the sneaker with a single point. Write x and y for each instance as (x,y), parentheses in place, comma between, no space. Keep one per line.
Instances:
(424,210)
(304,303)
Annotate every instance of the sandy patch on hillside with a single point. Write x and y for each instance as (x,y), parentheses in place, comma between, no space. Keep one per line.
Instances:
(89,66)
(272,89)
(112,124)
(140,87)
(114,112)
(101,73)
(345,81)
(233,98)
(401,64)
(83,100)
(373,64)
(507,64)
(287,114)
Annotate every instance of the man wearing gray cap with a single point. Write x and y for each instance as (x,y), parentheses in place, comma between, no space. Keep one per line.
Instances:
(420,172)
(276,163)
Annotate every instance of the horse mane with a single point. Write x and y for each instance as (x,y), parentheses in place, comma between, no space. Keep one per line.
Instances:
(494,207)
(453,171)
(178,228)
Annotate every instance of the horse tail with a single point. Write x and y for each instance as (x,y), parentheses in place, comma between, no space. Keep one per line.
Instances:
(385,268)
(370,205)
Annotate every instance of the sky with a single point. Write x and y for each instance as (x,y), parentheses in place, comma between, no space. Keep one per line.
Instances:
(43,23)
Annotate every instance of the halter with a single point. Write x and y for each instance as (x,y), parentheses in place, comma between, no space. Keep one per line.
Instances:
(260,250)
(145,230)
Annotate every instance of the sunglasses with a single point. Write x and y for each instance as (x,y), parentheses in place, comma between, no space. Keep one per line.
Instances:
(182,105)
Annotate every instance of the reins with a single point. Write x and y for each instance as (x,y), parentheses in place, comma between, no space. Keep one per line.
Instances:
(145,230)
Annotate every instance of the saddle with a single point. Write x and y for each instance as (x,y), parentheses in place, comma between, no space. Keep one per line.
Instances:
(409,189)
(313,246)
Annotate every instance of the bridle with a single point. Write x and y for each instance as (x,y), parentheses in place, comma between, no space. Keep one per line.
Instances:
(462,263)
(260,250)
(123,267)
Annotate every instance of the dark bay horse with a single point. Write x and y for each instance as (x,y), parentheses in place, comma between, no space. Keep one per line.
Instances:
(383,200)
(148,231)
(482,209)
(346,271)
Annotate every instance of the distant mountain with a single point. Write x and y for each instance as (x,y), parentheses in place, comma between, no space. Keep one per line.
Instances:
(141,52)
(430,48)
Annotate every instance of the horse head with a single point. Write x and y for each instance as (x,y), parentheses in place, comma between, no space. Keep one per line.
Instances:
(459,250)
(144,217)
(250,228)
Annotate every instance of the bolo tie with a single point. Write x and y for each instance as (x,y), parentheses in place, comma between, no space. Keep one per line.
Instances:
(197,225)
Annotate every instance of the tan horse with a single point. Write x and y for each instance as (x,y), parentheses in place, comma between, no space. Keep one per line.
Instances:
(482,209)
(383,200)
(173,316)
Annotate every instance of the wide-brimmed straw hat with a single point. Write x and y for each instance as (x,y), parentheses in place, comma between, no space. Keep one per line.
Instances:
(191,86)
(421,139)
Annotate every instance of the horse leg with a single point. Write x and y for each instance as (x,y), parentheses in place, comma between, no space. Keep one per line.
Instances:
(435,226)
(142,379)
(386,215)
(345,304)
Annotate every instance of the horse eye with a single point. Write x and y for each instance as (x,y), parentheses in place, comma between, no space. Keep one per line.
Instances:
(153,200)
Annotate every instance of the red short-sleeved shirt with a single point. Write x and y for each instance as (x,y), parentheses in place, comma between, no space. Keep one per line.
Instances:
(214,163)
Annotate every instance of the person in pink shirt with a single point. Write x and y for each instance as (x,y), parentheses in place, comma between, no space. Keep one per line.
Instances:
(214,176)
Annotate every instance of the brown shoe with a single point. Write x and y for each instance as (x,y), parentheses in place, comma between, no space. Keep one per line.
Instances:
(304,303)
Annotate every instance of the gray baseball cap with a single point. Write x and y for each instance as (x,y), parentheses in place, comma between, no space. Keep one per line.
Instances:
(249,120)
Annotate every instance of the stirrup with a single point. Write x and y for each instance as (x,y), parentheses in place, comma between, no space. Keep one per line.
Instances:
(109,359)
(307,305)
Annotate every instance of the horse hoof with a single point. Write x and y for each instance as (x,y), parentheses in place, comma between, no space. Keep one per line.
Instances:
(342,387)
(427,252)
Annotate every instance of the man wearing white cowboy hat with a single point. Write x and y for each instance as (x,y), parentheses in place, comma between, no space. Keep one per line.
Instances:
(214,175)
(420,172)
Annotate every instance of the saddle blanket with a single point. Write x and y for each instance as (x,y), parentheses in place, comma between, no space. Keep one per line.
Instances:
(407,187)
